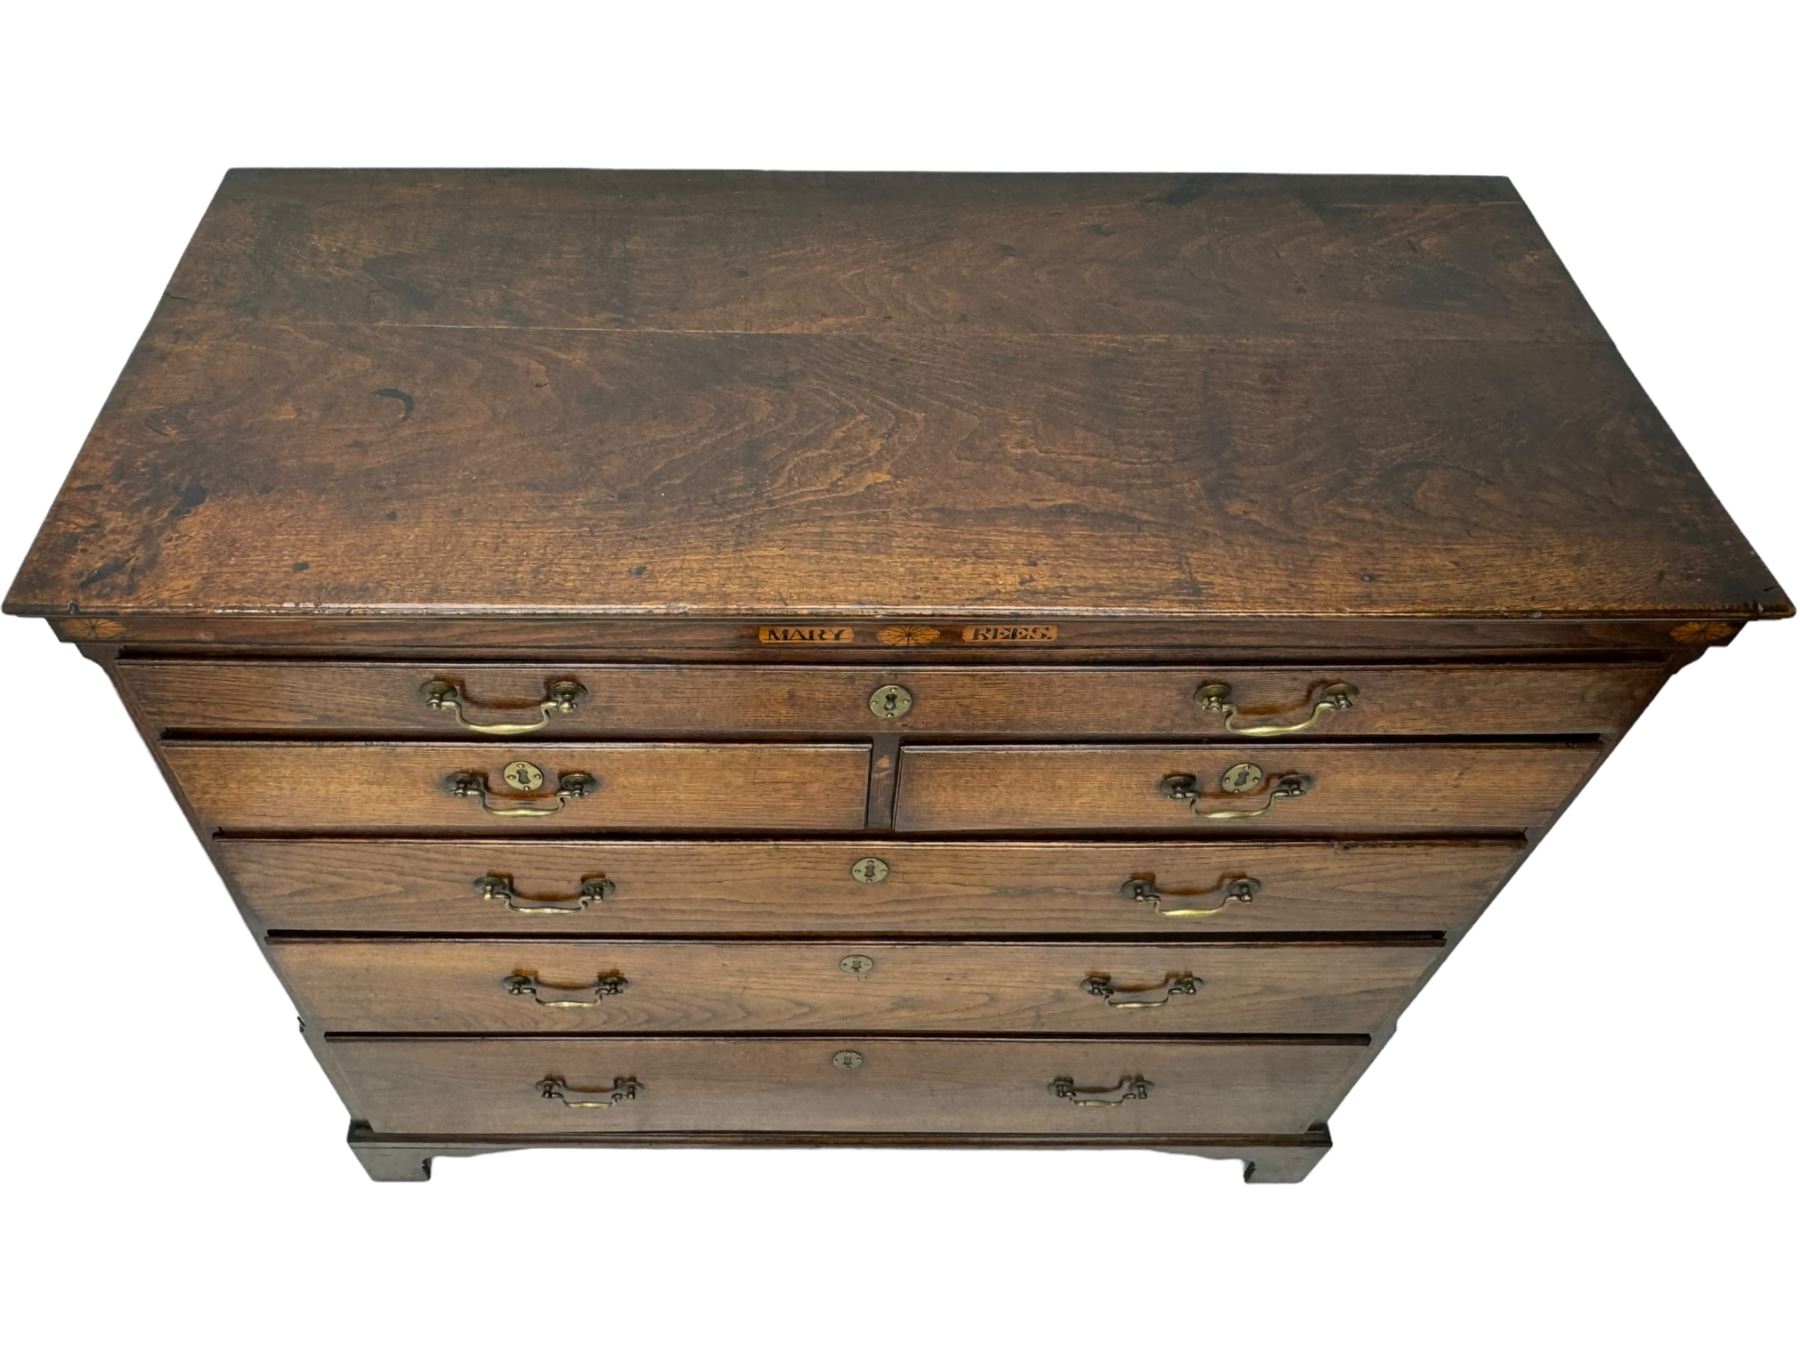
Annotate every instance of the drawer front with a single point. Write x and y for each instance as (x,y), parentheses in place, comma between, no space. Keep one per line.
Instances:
(249,786)
(727,987)
(532,887)
(473,1086)
(376,698)
(1298,787)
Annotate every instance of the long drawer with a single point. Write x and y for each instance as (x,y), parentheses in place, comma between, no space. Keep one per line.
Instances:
(729,987)
(530,887)
(1288,787)
(581,700)
(558,1086)
(333,785)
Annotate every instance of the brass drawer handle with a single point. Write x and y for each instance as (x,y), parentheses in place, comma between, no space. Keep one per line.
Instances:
(442,695)
(1132,1089)
(569,787)
(1102,986)
(1240,889)
(498,886)
(556,1090)
(604,986)
(1238,779)
(1215,697)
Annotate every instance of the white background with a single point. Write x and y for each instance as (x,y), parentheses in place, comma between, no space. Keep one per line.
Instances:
(1583,1131)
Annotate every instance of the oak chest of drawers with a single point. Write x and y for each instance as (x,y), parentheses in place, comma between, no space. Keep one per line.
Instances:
(1048,661)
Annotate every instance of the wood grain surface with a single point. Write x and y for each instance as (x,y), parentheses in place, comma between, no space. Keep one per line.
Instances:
(807,886)
(380,698)
(334,785)
(1377,789)
(1120,641)
(469,1086)
(730,987)
(865,252)
(1282,397)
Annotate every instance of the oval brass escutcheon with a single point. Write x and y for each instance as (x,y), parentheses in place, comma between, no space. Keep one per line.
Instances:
(869,871)
(847,1059)
(1242,778)
(891,700)
(523,775)
(857,965)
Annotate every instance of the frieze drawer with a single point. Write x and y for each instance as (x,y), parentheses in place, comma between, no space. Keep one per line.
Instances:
(512,701)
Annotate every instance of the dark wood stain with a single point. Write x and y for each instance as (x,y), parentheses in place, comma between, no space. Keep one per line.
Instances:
(1058,701)
(805,886)
(714,988)
(472,1086)
(333,785)
(1393,788)
(934,395)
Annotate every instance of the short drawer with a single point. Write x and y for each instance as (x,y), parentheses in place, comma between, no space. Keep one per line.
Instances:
(529,887)
(251,786)
(728,987)
(625,1084)
(1270,789)
(573,701)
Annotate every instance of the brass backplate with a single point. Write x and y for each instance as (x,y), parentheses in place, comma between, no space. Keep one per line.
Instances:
(857,965)
(847,1059)
(869,870)
(523,775)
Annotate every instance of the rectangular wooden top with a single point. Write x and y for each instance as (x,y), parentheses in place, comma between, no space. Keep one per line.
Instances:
(426,393)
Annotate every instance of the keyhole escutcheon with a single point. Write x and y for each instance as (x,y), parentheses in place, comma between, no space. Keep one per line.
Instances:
(891,701)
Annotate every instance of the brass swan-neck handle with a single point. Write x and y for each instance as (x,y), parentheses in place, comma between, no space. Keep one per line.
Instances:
(499,886)
(1237,781)
(1215,697)
(1102,986)
(623,1090)
(569,787)
(1232,888)
(551,995)
(561,696)
(1131,1088)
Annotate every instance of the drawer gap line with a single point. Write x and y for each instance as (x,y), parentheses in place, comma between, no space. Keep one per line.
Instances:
(828,1034)
(823,941)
